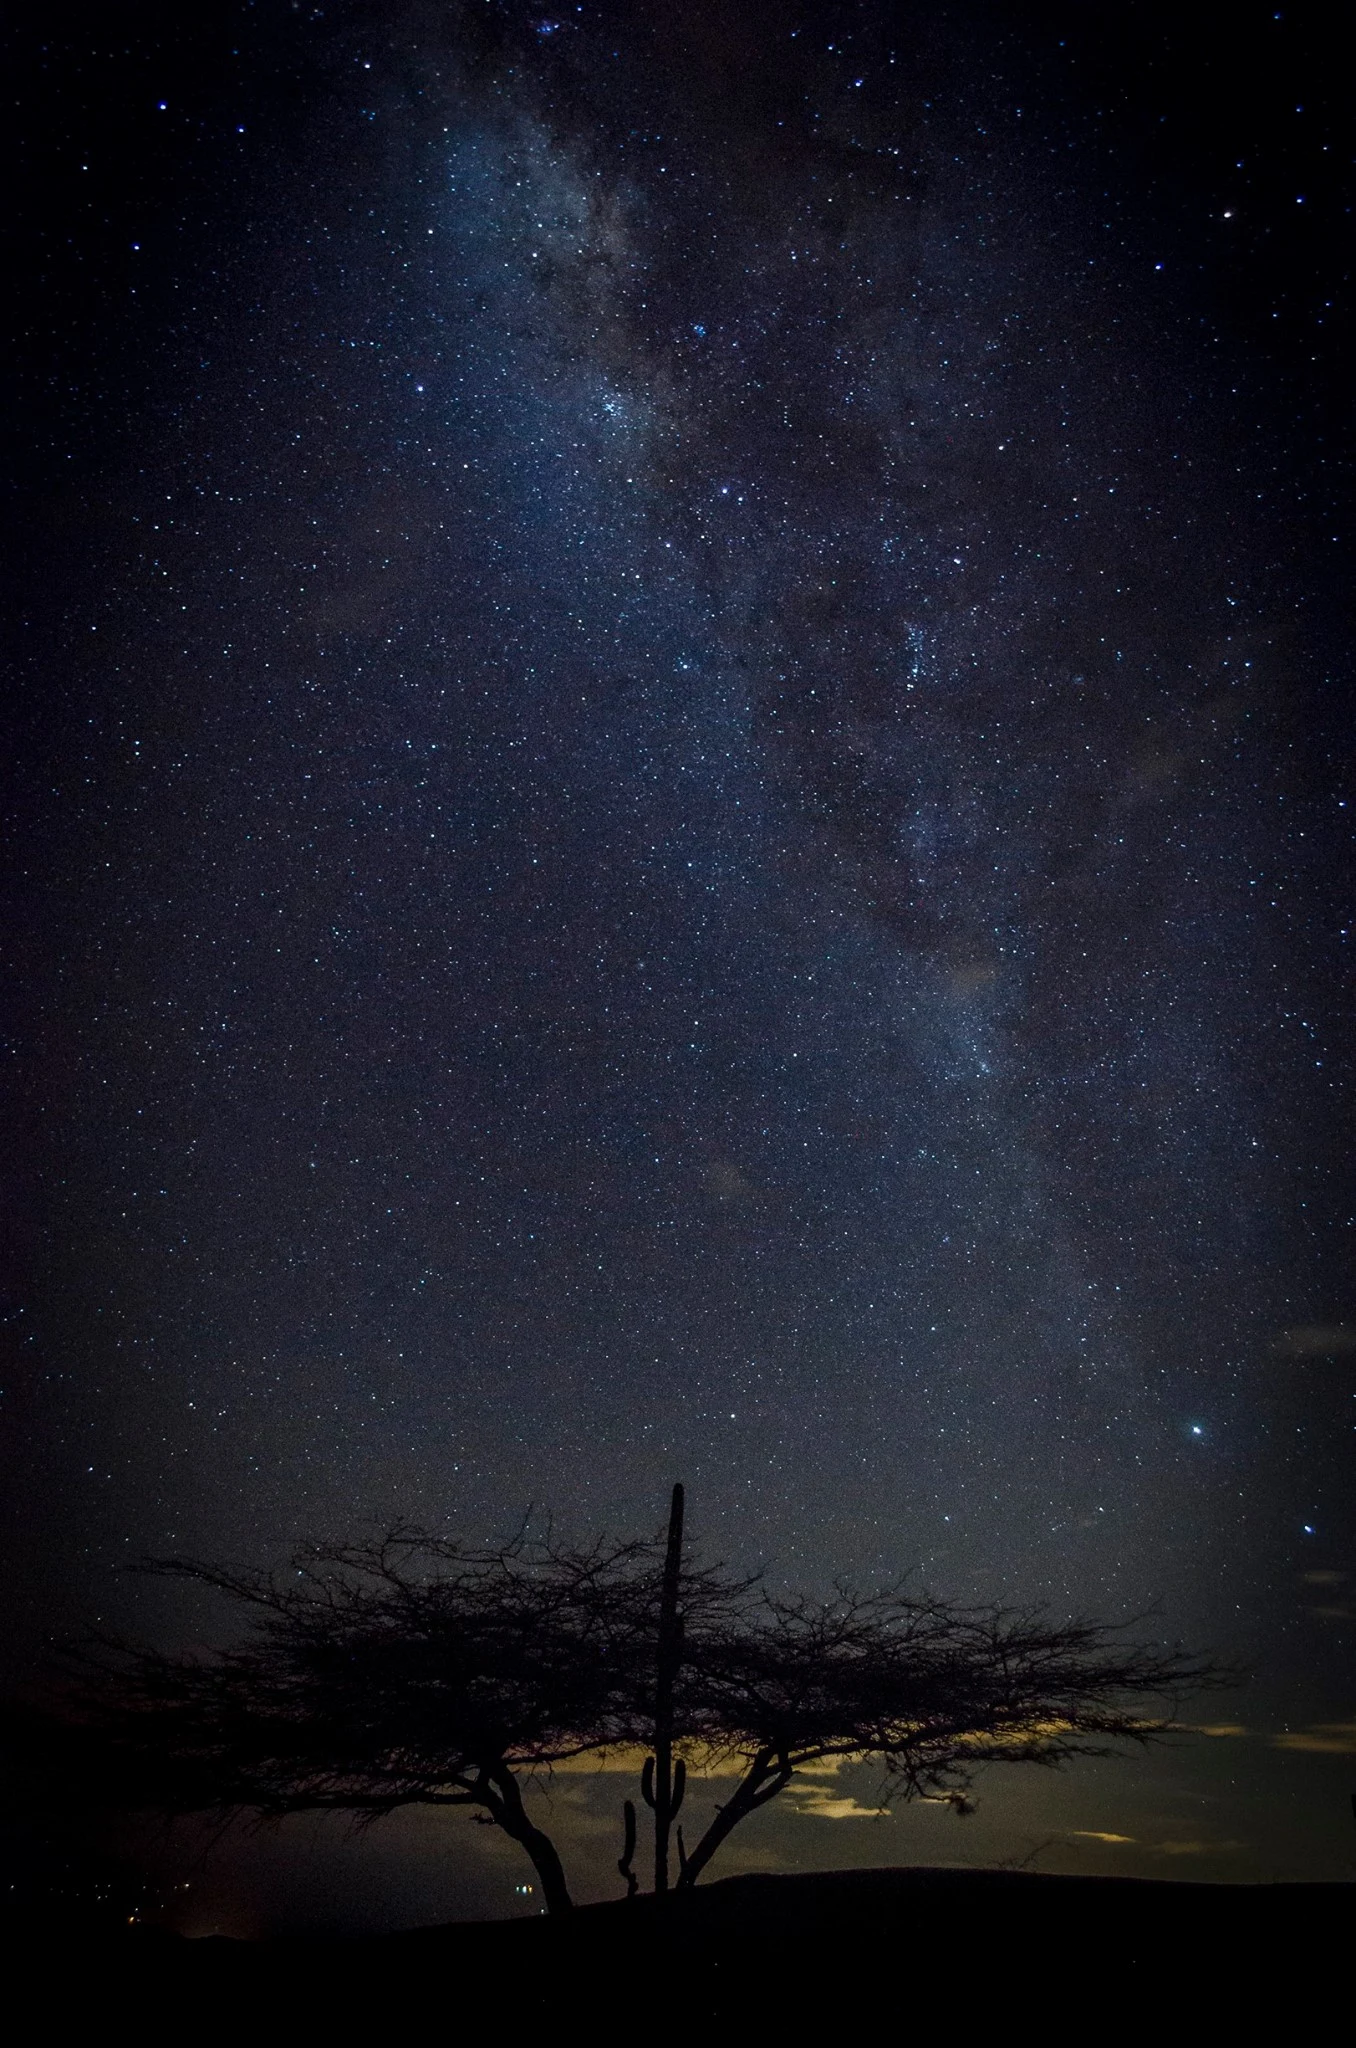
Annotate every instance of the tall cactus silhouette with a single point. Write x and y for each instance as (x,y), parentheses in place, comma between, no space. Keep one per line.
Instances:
(663,1781)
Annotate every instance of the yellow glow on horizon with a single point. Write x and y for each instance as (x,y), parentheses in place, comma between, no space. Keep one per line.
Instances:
(1326,1738)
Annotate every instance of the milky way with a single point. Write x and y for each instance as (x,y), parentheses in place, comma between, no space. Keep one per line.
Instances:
(677,845)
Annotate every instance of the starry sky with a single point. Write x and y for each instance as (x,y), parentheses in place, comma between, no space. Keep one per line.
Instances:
(679,778)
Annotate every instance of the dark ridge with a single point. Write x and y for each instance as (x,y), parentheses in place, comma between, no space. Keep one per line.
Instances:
(890,1945)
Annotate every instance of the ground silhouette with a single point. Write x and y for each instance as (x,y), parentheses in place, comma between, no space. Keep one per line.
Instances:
(763,1957)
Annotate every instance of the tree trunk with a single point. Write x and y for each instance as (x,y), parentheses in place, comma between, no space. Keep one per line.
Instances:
(507,1808)
(763,1781)
(549,1868)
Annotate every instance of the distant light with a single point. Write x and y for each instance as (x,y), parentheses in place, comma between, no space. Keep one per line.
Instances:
(1309,1529)
(1196,1429)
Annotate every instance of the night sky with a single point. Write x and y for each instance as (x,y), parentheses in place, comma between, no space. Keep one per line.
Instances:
(679,751)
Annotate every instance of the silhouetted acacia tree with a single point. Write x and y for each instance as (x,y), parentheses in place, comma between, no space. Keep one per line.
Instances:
(406,1671)
(415,1671)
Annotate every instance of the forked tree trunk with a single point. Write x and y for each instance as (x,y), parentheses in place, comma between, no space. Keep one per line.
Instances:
(767,1775)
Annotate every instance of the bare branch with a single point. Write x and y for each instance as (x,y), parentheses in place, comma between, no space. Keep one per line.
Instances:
(408,1668)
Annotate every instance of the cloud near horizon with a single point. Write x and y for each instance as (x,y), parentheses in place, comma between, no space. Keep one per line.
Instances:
(1324,1738)
(1196,1848)
(817,1803)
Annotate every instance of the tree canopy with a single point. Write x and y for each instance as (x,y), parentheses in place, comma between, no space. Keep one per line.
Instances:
(415,1670)
(927,1689)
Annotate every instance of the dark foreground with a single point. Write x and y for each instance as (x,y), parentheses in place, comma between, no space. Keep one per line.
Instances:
(875,1954)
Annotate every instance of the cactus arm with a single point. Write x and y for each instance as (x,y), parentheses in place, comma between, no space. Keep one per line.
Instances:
(628,1847)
